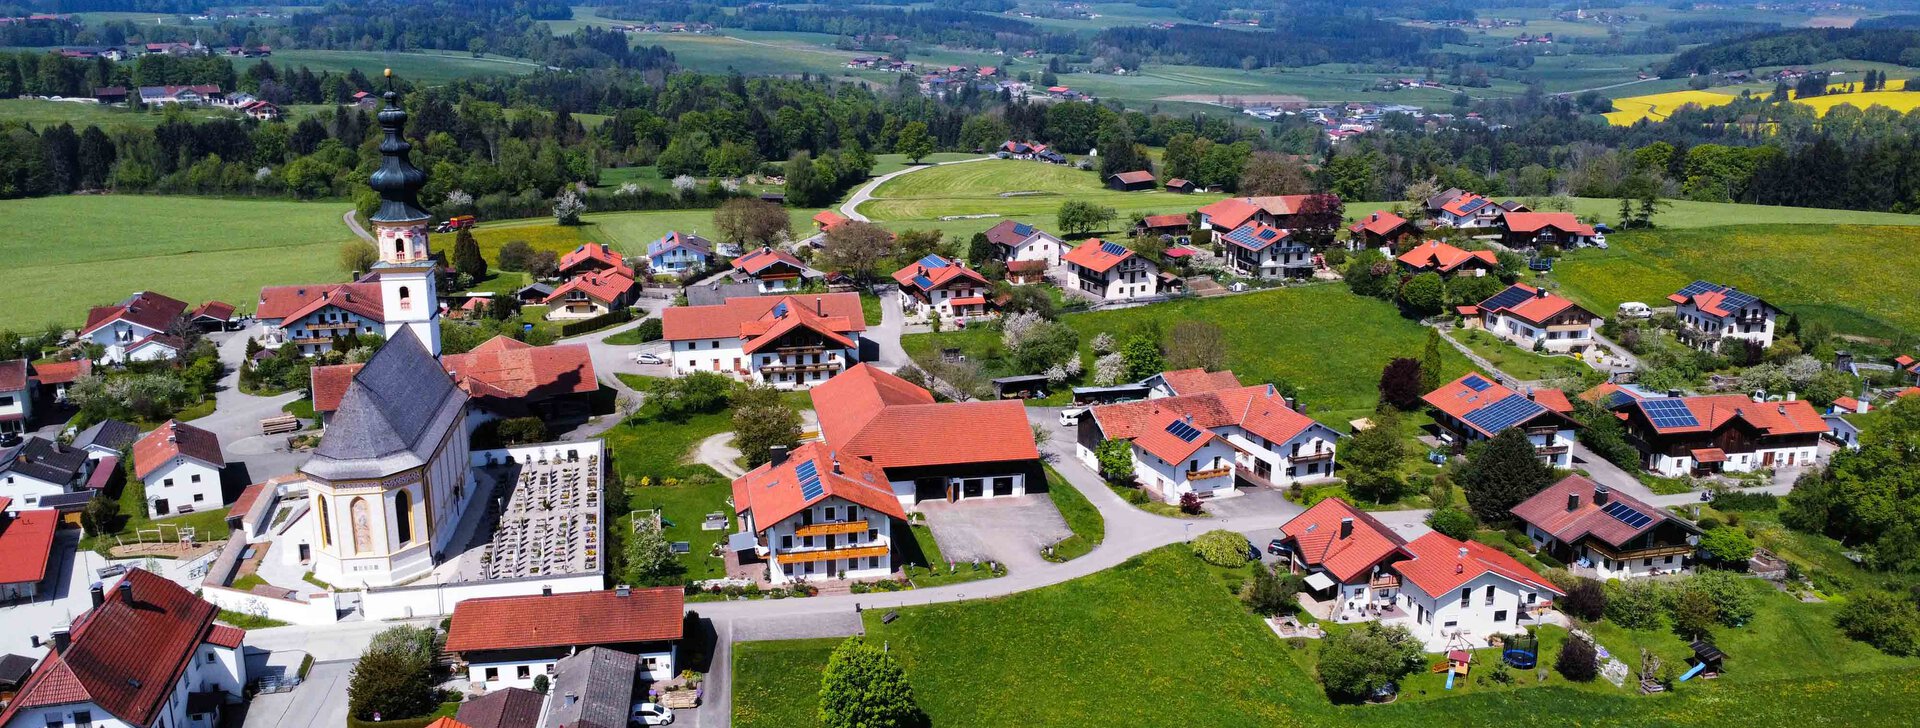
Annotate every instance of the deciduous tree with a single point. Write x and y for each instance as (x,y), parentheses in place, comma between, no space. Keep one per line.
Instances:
(855,247)
(752,222)
(1501,474)
(863,687)
(1355,662)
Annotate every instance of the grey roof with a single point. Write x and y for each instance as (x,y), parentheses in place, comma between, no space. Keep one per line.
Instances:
(395,413)
(716,293)
(540,288)
(592,689)
(44,460)
(509,708)
(14,669)
(107,434)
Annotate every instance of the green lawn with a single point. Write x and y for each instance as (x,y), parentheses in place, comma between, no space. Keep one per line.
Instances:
(1323,339)
(1516,362)
(1108,648)
(1687,214)
(1089,529)
(886,163)
(209,526)
(427,67)
(43,114)
(870,307)
(629,232)
(69,253)
(1011,188)
(777,684)
(1839,274)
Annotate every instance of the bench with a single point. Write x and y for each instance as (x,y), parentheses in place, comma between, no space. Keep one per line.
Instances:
(279,425)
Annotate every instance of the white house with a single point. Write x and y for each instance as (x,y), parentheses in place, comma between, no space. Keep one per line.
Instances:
(936,286)
(792,342)
(929,450)
(1017,241)
(16,396)
(133,321)
(773,271)
(1474,408)
(1203,441)
(1711,313)
(1172,457)
(1346,557)
(506,641)
(1111,272)
(38,468)
(180,465)
(1469,211)
(816,515)
(679,253)
(1608,535)
(1533,318)
(1258,250)
(146,654)
(313,316)
(1465,591)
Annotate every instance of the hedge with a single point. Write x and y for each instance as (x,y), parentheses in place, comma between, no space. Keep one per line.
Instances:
(616,316)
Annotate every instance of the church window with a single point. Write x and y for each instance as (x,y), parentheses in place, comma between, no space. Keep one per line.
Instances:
(403,515)
(406,298)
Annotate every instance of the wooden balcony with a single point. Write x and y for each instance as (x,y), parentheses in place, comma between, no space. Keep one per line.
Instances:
(1311,457)
(801,557)
(827,529)
(1193,475)
(826,366)
(1385,581)
(349,325)
(809,349)
(1649,552)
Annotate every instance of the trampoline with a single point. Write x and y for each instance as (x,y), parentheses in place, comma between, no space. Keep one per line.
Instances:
(1521,651)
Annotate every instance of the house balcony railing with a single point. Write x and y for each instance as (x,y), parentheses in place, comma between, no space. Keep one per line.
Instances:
(1311,457)
(1648,552)
(1193,475)
(826,366)
(310,340)
(1550,449)
(1384,581)
(810,349)
(858,552)
(349,325)
(831,529)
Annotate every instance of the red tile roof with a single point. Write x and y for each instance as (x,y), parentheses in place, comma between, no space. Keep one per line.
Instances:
(1439,566)
(1176,183)
(1317,540)
(1547,510)
(1093,255)
(1797,417)
(1850,404)
(773,492)
(1458,205)
(581,619)
(1157,438)
(737,317)
(1458,400)
(1444,258)
(1380,222)
(225,636)
(216,310)
(875,415)
(1258,409)
(174,343)
(248,496)
(1908,392)
(290,303)
(1528,222)
(761,333)
(1536,308)
(329,384)
(828,218)
(1164,221)
(1604,389)
(145,308)
(594,256)
(13,375)
(61,372)
(504,366)
(939,277)
(124,657)
(1197,380)
(1230,213)
(1135,177)
(26,541)
(605,287)
(1553,399)
(756,261)
(175,439)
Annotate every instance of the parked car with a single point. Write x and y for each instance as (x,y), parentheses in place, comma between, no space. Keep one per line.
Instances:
(1253,552)
(1635,310)
(641,357)
(1070,417)
(652,714)
(1274,547)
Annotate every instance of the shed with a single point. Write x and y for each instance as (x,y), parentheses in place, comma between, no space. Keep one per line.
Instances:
(1109,395)
(1021,387)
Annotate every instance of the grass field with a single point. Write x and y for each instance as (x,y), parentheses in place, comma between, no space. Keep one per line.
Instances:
(629,232)
(1010,188)
(427,67)
(1839,274)
(53,113)
(1516,362)
(1323,339)
(1687,214)
(69,253)
(1106,649)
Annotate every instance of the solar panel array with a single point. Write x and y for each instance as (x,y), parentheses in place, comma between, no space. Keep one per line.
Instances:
(1513,296)
(1627,514)
(1113,248)
(780,310)
(1509,411)
(1734,301)
(1022,228)
(1252,237)
(1476,383)
(1617,398)
(1182,430)
(1698,287)
(1474,204)
(934,261)
(810,487)
(1669,412)
(923,281)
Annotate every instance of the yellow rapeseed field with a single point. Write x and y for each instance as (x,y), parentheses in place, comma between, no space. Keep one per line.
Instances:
(1659,106)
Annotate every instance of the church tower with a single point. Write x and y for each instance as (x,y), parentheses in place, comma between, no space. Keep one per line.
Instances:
(406,268)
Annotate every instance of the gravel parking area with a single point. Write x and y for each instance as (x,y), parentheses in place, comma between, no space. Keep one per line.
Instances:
(1008,530)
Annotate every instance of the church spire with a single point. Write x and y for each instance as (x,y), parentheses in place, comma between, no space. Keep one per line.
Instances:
(397,180)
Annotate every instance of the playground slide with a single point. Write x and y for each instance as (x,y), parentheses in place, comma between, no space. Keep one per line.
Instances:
(1695,671)
(1450,675)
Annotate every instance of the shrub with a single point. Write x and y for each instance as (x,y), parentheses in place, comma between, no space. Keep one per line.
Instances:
(650,330)
(1453,522)
(1731,595)
(1635,604)
(1190,504)
(1586,599)
(1727,545)
(1886,621)
(1694,614)
(1272,592)
(1578,661)
(1221,547)
(1354,663)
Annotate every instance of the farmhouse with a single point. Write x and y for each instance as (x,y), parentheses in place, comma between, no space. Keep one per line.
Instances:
(787,341)
(1474,408)
(1448,261)
(1469,210)
(506,641)
(38,469)
(1612,535)
(1219,435)
(313,317)
(1540,229)
(147,654)
(1165,226)
(1710,314)
(120,327)
(814,513)
(1111,272)
(1345,554)
(1437,203)
(180,465)
(591,294)
(16,396)
(1278,211)
(1382,228)
(678,254)
(773,271)
(1134,181)
(870,414)
(1258,250)
(26,548)
(1015,241)
(594,258)
(1030,150)
(199,95)
(1534,318)
(1679,436)
(944,288)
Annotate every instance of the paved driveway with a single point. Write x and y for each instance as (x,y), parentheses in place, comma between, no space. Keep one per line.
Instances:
(1256,504)
(1008,530)
(63,596)
(320,702)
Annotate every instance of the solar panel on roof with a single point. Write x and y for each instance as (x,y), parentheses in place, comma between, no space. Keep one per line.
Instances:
(1698,287)
(1267,234)
(1669,412)
(923,281)
(934,261)
(1513,296)
(1737,300)
(1182,430)
(1627,514)
(1509,411)
(1023,228)
(1617,398)
(1476,383)
(810,487)
(780,309)
(1113,248)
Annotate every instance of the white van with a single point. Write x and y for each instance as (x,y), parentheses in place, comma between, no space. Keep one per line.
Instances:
(1634,310)
(1070,417)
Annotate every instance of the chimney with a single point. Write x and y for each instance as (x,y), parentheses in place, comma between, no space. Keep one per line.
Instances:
(99,593)
(61,639)
(777,454)
(546,590)
(622,590)
(1346,528)
(1573,502)
(173,424)
(1293,404)
(1600,493)
(1540,293)
(819,306)
(125,588)
(1783,408)
(1860,405)
(1529,393)
(1791,396)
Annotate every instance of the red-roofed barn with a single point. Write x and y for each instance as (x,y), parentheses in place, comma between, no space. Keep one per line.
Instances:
(506,641)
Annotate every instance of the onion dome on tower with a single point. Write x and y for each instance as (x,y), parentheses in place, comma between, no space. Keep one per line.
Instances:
(397,180)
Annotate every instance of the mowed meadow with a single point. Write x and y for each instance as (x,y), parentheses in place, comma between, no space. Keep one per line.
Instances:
(981,193)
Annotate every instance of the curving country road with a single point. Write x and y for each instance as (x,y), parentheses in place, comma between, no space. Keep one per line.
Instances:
(851,208)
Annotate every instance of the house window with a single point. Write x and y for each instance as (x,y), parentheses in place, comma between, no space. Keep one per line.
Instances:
(83,718)
(1451,624)
(1532,597)
(1500,616)
(198,497)
(873,562)
(1646,562)
(493,674)
(830,511)
(1466,595)
(55,721)
(873,534)
(853,513)
(806,542)
(1489,595)
(524,672)
(168,483)
(786,543)
(195,478)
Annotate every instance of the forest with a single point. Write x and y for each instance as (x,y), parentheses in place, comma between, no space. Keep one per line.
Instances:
(1800,47)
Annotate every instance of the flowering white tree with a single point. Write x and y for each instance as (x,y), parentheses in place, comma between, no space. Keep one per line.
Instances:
(568,207)
(684,184)
(1109,370)
(628,190)
(1057,374)
(1013,329)
(1103,343)
(730,184)
(458,198)
(1073,365)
